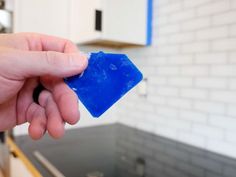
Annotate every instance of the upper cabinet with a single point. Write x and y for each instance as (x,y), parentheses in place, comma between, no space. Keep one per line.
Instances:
(115,22)
(42,16)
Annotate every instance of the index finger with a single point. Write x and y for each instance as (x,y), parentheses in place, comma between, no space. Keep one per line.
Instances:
(49,43)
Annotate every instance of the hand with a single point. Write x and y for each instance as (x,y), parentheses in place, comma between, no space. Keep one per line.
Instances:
(27,59)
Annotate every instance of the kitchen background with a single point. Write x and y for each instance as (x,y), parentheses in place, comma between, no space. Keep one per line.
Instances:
(190,75)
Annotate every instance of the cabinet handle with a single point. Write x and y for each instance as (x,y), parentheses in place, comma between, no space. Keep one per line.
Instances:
(98,20)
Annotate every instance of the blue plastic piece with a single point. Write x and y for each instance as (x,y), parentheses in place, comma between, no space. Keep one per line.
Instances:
(107,78)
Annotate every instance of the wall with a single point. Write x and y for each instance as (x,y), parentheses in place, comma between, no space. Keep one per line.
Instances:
(191,72)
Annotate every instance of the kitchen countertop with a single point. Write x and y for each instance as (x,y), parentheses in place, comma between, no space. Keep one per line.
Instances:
(120,151)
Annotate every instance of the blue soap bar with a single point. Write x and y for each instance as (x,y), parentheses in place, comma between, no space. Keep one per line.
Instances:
(107,78)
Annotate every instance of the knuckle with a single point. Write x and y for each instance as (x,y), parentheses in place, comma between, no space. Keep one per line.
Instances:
(50,58)
(58,59)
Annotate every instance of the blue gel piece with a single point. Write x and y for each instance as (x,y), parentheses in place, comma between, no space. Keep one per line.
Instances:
(107,78)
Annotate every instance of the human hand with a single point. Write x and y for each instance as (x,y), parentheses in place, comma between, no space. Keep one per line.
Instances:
(27,59)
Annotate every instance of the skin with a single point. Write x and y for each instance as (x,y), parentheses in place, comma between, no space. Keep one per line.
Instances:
(27,59)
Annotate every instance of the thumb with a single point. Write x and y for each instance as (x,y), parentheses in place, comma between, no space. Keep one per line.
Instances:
(34,63)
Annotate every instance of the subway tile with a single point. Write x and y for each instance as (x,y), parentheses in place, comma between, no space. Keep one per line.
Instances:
(211,82)
(208,164)
(190,169)
(229,171)
(215,7)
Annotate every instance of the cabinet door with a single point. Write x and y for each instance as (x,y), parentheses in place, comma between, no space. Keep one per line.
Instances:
(42,16)
(83,20)
(125,21)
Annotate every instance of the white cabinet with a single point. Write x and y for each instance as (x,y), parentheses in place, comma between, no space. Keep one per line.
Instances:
(116,22)
(83,19)
(42,16)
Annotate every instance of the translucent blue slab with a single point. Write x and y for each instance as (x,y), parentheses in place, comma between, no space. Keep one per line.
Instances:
(107,78)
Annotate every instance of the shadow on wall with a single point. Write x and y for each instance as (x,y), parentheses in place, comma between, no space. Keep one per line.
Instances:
(120,151)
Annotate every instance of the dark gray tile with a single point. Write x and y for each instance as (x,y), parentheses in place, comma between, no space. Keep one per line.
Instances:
(154,167)
(191,149)
(164,141)
(207,164)
(114,150)
(190,169)
(212,174)
(229,171)
(165,159)
(155,146)
(178,154)
(175,173)
(220,158)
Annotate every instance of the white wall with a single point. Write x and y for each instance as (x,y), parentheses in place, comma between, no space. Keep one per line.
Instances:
(191,71)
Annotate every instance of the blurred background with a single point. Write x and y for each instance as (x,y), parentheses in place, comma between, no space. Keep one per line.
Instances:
(179,121)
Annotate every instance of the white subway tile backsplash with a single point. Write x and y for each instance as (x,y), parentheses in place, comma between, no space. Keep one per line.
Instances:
(170,8)
(180,59)
(209,107)
(168,71)
(180,103)
(224,122)
(212,33)
(223,96)
(194,93)
(193,3)
(146,126)
(230,136)
(213,8)
(232,30)
(224,18)
(166,131)
(207,131)
(182,15)
(196,24)
(169,29)
(195,47)
(191,71)
(221,147)
(168,50)
(211,58)
(223,70)
(232,58)
(167,111)
(180,81)
(211,83)
(160,3)
(162,20)
(157,99)
(194,70)
(167,91)
(231,110)
(156,61)
(227,44)
(233,5)
(156,81)
(187,137)
(232,84)
(193,116)
(179,124)
(181,38)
